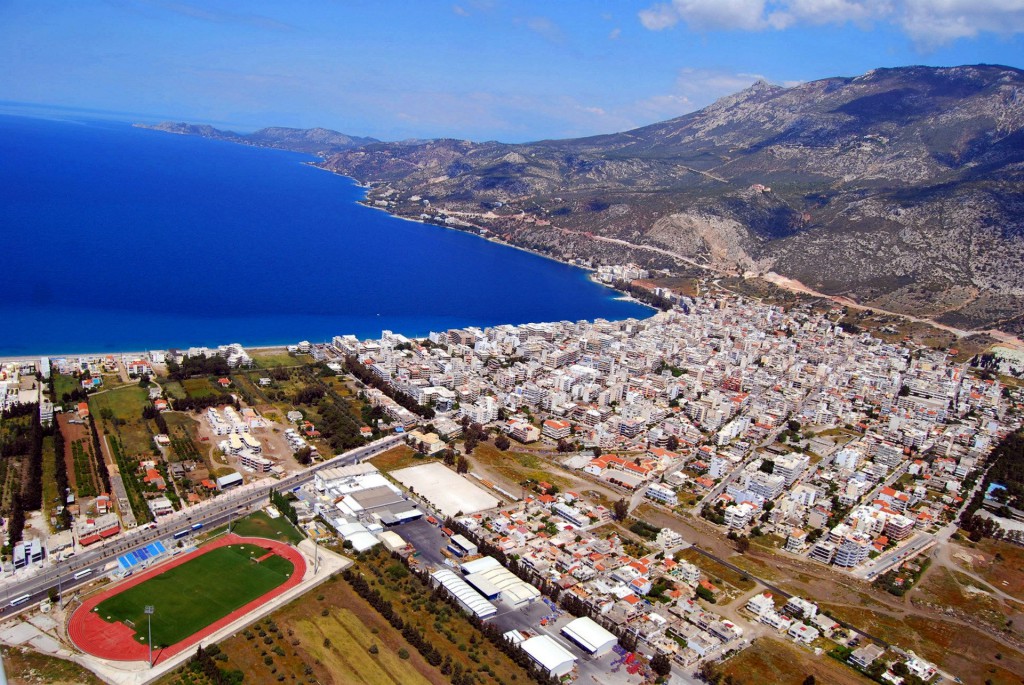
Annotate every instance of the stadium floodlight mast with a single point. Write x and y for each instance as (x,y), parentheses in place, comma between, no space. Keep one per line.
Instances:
(149,619)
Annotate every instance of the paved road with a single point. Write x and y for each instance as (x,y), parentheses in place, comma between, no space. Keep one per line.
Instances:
(210,514)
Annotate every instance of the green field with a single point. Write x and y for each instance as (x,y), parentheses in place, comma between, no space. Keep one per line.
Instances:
(271,359)
(63,384)
(190,597)
(174,389)
(124,403)
(260,525)
(199,388)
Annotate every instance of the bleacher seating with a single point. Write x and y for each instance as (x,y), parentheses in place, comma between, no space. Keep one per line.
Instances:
(141,556)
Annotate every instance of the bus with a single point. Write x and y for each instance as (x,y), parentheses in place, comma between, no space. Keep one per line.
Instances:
(182,533)
(20,600)
(196,526)
(82,574)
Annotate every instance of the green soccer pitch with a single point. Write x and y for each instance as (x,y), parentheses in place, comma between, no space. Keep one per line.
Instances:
(190,597)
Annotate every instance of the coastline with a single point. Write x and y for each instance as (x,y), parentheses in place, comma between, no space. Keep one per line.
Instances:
(136,354)
(495,240)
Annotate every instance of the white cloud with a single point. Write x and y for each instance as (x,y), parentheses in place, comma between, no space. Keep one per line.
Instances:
(707,85)
(460,10)
(707,15)
(935,22)
(693,89)
(615,33)
(661,107)
(928,23)
(658,17)
(544,27)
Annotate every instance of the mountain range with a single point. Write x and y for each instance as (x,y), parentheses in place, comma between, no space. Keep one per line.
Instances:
(315,141)
(902,189)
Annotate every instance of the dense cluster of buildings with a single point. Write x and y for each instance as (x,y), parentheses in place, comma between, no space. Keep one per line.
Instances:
(687,406)
(19,385)
(651,596)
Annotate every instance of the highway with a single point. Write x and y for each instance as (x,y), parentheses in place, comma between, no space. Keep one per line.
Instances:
(210,514)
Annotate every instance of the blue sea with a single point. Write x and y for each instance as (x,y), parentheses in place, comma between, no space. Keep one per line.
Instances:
(117,238)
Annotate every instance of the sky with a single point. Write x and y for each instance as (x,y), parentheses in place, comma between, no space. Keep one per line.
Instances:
(474,69)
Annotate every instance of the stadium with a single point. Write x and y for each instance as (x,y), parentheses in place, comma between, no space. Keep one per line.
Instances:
(193,596)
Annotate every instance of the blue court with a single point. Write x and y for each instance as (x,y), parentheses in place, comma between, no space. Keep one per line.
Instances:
(140,556)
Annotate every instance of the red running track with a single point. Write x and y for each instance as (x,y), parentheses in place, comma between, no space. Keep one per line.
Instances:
(116,641)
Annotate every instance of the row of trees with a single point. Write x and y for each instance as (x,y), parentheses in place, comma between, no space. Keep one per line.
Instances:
(76,395)
(151,413)
(284,506)
(203,663)
(644,295)
(357,369)
(473,435)
(101,463)
(415,637)
(32,476)
(198,366)
(200,403)
(1007,470)
(61,476)
(339,425)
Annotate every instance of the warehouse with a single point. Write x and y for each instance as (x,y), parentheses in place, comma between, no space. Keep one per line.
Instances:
(392,541)
(446,491)
(355,533)
(461,546)
(586,633)
(495,581)
(467,597)
(551,656)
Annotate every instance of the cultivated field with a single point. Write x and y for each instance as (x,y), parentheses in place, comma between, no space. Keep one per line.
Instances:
(325,636)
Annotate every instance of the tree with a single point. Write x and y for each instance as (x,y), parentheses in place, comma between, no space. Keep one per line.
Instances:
(462,466)
(809,680)
(661,665)
(621,509)
(672,444)
(708,673)
(742,544)
(502,442)
(304,455)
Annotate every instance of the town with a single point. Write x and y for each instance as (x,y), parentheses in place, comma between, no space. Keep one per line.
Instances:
(724,416)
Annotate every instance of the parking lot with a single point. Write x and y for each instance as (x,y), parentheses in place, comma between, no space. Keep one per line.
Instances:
(426,538)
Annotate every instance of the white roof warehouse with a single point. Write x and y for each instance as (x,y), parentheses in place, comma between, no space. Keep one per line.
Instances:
(468,598)
(589,635)
(552,657)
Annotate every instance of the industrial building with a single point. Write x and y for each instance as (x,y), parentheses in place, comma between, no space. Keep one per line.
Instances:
(468,598)
(494,581)
(551,656)
(460,546)
(590,636)
(356,533)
